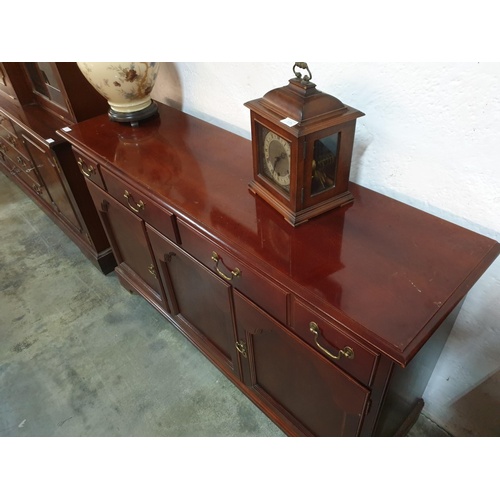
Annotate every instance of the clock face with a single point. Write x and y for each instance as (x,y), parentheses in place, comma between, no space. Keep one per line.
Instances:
(275,160)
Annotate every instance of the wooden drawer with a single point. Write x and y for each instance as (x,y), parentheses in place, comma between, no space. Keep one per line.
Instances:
(13,147)
(267,295)
(332,339)
(28,176)
(144,207)
(20,163)
(8,150)
(89,167)
(15,141)
(7,124)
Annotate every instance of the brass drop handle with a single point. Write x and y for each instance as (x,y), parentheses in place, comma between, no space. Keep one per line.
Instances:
(234,273)
(242,349)
(138,206)
(347,352)
(152,270)
(86,171)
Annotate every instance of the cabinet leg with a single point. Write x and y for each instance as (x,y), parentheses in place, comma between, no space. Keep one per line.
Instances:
(410,420)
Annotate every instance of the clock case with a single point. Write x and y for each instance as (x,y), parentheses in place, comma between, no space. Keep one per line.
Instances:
(317,117)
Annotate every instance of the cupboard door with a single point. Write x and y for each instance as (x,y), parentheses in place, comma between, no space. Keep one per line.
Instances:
(199,299)
(46,168)
(127,236)
(254,286)
(309,393)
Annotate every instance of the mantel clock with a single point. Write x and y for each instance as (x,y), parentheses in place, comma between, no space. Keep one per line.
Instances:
(302,142)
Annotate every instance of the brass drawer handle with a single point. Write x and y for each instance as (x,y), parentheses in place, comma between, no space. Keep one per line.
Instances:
(151,270)
(138,206)
(86,171)
(234,273)
(37,188)
(347,352)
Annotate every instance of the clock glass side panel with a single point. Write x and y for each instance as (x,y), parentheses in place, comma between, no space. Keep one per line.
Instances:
(324,164)
(274,159)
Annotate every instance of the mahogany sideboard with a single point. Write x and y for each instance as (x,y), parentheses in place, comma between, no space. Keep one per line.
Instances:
(39,161)
(333,327)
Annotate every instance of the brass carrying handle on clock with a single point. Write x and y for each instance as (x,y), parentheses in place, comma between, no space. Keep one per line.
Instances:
(302,65)
(234,273)
(347,352)
(138,206)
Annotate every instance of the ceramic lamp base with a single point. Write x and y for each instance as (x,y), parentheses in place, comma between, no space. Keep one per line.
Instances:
(133,117)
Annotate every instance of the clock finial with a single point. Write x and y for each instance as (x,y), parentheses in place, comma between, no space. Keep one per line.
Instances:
(302,65)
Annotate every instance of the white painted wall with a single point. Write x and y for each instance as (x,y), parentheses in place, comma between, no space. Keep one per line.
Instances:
(430,138)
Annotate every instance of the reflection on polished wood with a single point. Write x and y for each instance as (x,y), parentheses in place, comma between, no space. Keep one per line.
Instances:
(378,276)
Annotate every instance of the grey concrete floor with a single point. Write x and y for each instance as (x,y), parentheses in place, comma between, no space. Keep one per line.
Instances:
(80,356)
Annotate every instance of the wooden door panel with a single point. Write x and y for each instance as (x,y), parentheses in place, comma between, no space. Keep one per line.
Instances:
(253,285)
(198,296)
(127,235)
(315,395)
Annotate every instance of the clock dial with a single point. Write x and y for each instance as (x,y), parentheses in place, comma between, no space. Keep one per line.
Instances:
(276,151)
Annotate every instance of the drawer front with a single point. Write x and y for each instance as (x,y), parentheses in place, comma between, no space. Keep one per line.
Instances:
(20,164)
(89,168)
(18,155)
(261,291)
(7,124)
(16,143)
(160,218)
(28,176)
(328,339)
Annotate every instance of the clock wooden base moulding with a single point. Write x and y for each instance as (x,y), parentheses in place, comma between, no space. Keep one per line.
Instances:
(296,218)
(334,338)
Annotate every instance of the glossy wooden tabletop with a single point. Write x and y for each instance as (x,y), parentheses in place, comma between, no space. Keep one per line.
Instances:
(379,266)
